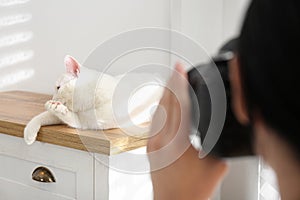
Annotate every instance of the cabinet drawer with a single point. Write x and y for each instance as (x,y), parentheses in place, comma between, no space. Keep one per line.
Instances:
(72,169)
(17,172)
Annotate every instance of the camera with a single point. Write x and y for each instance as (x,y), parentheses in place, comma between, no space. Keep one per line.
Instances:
(235,139)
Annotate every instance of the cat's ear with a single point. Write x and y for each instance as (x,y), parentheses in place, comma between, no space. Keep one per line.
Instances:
(72,66)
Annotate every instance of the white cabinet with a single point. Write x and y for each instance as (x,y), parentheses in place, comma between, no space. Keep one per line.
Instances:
(72,169)
(126,178)
(79,174)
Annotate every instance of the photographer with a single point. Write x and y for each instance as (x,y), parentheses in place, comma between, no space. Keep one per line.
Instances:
(264,85)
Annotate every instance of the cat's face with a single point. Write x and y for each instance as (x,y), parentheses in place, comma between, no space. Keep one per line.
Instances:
(65,84)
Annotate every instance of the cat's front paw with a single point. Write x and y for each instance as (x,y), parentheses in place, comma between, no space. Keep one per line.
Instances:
(30,133)
(56,107)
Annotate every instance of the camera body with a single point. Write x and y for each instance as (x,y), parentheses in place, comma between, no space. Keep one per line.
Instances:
(235,139)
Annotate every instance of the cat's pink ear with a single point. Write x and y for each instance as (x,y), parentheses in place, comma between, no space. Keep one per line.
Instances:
(72,66)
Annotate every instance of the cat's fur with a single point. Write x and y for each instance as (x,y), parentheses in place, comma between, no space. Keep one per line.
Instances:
(83,99)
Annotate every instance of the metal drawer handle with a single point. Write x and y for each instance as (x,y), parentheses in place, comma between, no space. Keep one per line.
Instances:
(42,174)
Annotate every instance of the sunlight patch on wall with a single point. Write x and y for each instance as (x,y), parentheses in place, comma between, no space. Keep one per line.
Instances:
(5,3)
(15,77)
(16,58)
(16,38)
(14,19)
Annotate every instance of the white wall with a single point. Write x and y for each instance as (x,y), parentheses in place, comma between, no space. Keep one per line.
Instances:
(52,29)
(210,23)
(202,21)
(233,15)
(48,30)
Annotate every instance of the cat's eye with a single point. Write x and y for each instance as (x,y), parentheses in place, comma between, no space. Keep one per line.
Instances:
(57,87)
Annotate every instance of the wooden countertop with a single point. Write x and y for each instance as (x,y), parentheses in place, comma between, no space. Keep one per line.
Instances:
(17,108)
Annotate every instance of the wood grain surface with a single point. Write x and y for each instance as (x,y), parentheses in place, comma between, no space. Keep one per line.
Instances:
(17,108)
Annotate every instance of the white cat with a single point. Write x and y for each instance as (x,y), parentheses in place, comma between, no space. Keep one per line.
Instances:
(84,100)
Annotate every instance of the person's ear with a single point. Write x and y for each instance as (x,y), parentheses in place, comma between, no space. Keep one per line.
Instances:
(237,94)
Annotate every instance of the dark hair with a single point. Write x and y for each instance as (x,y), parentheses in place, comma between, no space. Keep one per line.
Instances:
(268,53)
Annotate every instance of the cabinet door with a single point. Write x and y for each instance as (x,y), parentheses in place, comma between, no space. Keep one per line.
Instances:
(72,169)
(122,176)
